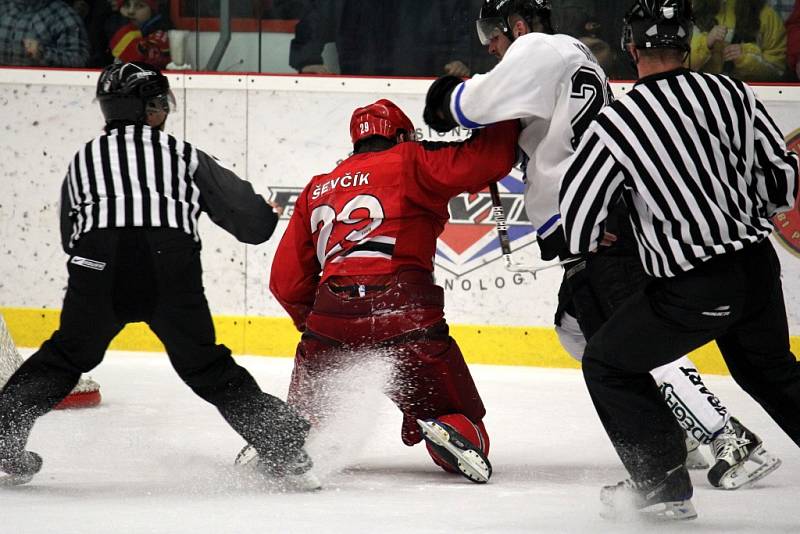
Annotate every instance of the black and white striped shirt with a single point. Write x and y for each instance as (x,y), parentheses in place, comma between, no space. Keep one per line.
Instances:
(697,159)
(136,176)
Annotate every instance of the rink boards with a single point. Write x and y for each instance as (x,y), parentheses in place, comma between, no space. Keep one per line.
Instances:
(278,131)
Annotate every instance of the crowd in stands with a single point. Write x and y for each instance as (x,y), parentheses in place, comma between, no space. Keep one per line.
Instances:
(755,40)
(82,33)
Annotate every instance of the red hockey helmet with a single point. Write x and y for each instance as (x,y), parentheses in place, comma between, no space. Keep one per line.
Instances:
(382,118)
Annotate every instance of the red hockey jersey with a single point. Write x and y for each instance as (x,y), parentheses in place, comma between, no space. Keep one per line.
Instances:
(379,212)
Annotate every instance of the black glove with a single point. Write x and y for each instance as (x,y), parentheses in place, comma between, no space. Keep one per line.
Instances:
(437,104)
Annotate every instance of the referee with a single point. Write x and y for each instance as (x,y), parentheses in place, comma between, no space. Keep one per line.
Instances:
(702,168)
(130,206)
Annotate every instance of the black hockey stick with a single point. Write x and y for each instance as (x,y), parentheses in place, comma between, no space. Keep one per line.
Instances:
(499,216)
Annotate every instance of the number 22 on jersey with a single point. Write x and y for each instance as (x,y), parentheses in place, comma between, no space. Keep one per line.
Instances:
(337,239)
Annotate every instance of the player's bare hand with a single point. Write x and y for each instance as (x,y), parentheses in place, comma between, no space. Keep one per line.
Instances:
(32,48)
(277,208)
(716,34)
(608,239)
(457,68)
(732,52)
(315,69)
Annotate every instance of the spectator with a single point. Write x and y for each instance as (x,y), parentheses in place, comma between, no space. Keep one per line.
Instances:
(605,55)
(744,38)
(578,18)
(608,16)
(784,8)
(278,9)
(285,9)
(266,9)
(41,33)
(434,38)
(793,42)
(575,17)
(101,19)
(144,38)
(386,38)
(82,8)
(596,24)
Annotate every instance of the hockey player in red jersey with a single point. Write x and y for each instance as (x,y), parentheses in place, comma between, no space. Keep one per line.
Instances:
(355,272)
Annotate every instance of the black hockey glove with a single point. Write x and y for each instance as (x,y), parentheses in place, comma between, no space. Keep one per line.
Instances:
(437,104)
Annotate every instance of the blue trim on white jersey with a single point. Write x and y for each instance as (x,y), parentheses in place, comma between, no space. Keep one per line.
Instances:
(462,119)
(549,224)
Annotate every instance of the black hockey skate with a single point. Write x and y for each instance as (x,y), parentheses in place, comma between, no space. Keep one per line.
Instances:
(19,469)
(740,458)
(290,473)
(456,450)
(665,499)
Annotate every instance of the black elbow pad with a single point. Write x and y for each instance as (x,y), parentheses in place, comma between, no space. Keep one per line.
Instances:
(437,104)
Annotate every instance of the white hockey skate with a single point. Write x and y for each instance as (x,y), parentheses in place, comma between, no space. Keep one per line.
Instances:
(294,475)
(695,459)
(741,458)
(456,450)
(666,499)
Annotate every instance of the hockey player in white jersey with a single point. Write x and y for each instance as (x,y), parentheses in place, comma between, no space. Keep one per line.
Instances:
(553,84)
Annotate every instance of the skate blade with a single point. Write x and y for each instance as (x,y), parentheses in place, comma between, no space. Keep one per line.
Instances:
(659,512)
(471,463)
(759,464)
(308,481)
(248,460)
(246,456)
(9,481)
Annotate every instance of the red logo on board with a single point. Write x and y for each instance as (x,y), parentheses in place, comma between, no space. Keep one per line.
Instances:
(788,224)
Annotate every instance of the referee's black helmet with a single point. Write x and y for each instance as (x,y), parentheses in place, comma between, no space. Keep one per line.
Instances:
(650,24)
(126,91)
(494,14)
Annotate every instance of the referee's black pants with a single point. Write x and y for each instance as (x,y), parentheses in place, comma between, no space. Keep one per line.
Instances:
(118,276)
(735,299)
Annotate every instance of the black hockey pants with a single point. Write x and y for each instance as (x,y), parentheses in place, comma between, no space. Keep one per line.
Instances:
(155,276)
(735,299)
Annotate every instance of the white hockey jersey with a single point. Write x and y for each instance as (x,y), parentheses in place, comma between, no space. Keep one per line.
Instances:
(555,86)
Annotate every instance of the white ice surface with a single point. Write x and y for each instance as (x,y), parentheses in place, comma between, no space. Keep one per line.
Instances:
(153,458)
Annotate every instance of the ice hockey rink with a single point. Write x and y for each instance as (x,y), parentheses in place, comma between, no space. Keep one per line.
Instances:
(153,458)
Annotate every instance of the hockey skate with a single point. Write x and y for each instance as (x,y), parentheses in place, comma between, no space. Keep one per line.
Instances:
(19,469)
(456,450)
(694,456)
(293,474)
(667,499)
(86,394)
(740,458)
